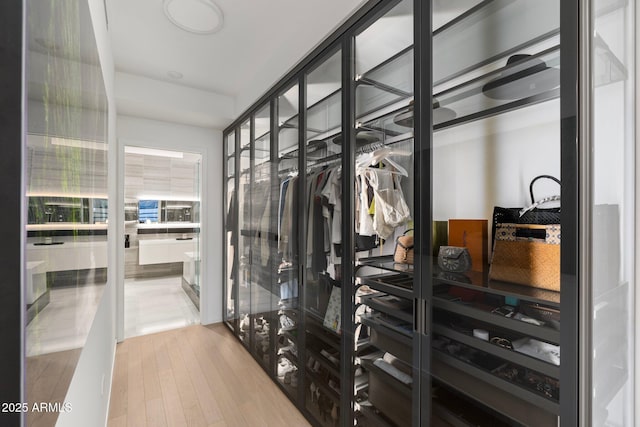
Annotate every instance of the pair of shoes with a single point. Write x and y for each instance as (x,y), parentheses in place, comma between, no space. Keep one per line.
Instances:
(286,323)
(244,323)
(284,367)
(315,392)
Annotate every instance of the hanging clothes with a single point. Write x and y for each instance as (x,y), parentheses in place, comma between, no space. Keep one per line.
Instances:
(391,209)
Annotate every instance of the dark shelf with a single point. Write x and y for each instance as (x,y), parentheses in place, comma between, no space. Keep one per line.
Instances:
(331,393)
(389,339)
(395,384)
(388,304)
(394,326)
(384,283)
(324,362)
(484,314)
(385,263)
(509,355)
(374,419)
(479,281)
(483,386)
(327,336)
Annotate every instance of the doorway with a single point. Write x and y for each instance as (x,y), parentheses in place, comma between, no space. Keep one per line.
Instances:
(162,194)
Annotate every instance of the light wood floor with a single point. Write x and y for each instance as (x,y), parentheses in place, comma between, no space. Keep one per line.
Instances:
(48,379)
(194,376)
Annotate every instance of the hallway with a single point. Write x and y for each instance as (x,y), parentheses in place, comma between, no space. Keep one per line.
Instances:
(195,376)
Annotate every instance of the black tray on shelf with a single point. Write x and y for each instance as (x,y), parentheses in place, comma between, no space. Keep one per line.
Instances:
(392,305)
(519,390)
(393,284)
(480,281)
(505,402)
(385,262)
(483,313)
(504,353)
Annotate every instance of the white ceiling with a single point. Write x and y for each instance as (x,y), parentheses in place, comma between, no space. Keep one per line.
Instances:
(261,40)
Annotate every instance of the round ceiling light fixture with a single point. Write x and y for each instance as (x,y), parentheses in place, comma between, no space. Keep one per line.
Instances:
(195,16)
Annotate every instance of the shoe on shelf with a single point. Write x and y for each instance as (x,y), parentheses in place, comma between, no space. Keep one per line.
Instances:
(284,366)
(310,362)
(286,323)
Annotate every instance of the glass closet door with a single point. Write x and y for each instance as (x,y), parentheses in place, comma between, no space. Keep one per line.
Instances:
(321,242)
(245,178)
(231,233)
(385,374)
(263,258)
(613,226)
(287,293)
(495,285)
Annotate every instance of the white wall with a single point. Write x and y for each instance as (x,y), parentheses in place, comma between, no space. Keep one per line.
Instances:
(154,99)
(491,162)
(90,387)
(208,142)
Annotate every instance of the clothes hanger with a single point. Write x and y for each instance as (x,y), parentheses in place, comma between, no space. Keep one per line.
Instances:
(382,155)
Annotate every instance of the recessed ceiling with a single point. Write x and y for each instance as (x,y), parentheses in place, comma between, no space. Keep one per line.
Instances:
(259,42)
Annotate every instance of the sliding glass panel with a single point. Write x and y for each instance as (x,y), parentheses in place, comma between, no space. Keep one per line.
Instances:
(245,177)
(263,255)
(495,289)
(288,284)
(322,240)
(65,170)
(385,381)
(231,232)
(613,214)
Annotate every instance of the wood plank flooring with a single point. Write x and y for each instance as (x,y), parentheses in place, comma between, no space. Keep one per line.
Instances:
(194,376)
(48,379)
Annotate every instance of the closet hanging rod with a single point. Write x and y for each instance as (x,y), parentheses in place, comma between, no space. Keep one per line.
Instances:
(385,87)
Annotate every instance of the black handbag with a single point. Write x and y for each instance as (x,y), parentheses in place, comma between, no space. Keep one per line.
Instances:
(529,215)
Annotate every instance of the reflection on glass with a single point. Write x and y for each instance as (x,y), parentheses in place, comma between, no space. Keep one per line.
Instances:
(322,241)
(496,73)
(244,238)
(231,234)
(287,225)
(261,228)
(384,172)
(612,214)
(66,183)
